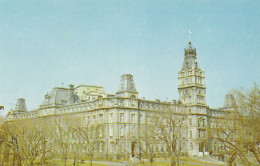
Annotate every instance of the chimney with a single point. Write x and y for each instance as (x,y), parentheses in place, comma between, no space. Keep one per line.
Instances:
(71,98)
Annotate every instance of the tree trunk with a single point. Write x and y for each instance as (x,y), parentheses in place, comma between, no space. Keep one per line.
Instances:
(31,163)
(90,161)
(256,154)
(64,162)
(19,161)
(6,154)
(14,159)
(75,158)
(43,152)
(230,161)
(151,163)
(1,159)
(65,157)
(173,161)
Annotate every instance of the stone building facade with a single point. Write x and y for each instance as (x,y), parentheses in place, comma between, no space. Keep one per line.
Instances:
(124,113)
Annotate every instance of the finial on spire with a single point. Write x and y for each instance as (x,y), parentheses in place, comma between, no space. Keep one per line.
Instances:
(190,34)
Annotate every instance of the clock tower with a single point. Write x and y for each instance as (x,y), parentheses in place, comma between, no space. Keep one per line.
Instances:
(192,94)
(192,90)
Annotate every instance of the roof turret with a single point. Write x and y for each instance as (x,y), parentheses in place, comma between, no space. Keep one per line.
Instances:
(20,105)
(190,57)
(230,101)
(127,86)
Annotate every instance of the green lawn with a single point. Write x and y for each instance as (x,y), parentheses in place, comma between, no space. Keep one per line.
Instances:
(165,163)
(69,163)
(58,162)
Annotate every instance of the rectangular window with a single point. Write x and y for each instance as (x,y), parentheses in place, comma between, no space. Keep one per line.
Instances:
(190,121)
(100,147)
(182,121)
(88,119)
(111,131)
(122,131)
(121,147)
(201,147)
(132,118)
(202,133)
(148,119)
(100,132)
(94,119)
(206,147)
(121,117)
(111,117)
(100,118)
(133,131)
(141,118)
(111,147)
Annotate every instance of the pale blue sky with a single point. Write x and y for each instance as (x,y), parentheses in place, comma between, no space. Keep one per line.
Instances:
(46,42)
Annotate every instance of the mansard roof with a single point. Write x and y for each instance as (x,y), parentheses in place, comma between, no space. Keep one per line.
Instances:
(58,96)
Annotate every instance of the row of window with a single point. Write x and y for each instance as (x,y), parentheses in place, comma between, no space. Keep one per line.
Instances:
(189,80)
(190,100)
(100,147)
(122,118)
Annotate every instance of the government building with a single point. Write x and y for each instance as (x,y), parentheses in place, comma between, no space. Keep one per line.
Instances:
(123,114)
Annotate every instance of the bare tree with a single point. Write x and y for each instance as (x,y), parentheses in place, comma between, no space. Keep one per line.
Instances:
(45,127)
(75,131)
(24,140)
(238,133)
(249,118)
(168,130)
(149,143)
(76,138)
(62,136)
(3,138)
(90,136)
(12,141)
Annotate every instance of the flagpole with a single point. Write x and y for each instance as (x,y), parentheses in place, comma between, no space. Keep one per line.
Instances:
(190,34)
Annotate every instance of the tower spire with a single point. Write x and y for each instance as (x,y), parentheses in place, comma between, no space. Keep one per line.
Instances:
(192,88)
(190,57)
